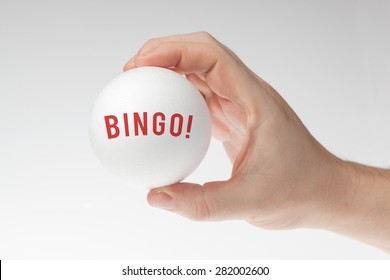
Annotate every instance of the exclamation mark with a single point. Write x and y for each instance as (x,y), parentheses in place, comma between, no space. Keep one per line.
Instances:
(189,124)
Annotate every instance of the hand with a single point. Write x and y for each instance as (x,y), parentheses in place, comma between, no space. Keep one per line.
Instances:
(282,177)
(279,168)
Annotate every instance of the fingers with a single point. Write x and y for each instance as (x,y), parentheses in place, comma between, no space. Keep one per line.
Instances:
(224,75)
(201,54)
(200,37)
(214,201)
(188,57)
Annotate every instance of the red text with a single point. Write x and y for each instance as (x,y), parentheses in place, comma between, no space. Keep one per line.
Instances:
(137,124)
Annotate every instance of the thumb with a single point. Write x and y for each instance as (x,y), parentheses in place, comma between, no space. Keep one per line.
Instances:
(211,202)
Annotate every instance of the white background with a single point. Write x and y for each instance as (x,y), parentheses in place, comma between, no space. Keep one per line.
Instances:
(329,59)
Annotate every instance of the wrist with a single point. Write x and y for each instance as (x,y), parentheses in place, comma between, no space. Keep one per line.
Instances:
(333,188)
(359,209)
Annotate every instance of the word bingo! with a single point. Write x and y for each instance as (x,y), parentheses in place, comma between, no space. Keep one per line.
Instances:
(137,124)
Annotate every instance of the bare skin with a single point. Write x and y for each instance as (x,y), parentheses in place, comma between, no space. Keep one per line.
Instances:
(282,177)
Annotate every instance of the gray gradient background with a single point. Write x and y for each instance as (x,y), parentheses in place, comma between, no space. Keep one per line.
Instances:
(329,59)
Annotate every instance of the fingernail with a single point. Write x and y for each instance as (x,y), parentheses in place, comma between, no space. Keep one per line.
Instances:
(162,200)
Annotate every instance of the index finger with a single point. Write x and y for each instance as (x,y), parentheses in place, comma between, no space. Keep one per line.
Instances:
(225,74)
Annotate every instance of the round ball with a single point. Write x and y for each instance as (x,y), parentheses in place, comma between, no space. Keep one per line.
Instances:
(151,127)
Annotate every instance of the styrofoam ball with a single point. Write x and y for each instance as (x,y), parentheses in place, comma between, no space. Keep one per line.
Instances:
(151,127)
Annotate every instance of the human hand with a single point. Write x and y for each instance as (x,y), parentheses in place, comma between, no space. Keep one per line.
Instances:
(281,178)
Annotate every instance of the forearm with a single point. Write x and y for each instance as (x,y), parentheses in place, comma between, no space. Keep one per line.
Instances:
(363,212)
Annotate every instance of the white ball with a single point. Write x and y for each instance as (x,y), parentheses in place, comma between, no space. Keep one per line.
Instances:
(151,127)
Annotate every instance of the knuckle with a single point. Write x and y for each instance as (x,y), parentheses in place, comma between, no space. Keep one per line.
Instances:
(213,43)
(150,43)
(203,209)
(207,36)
